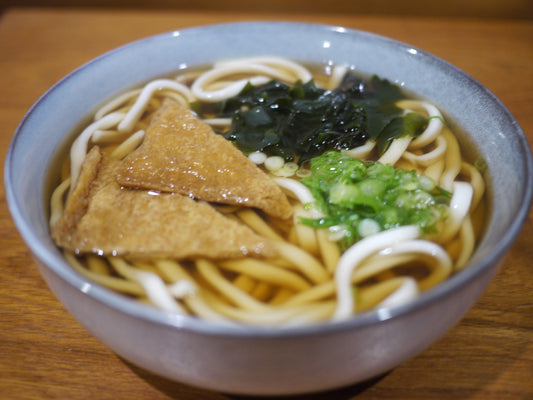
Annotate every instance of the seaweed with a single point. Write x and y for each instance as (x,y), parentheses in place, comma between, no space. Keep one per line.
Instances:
(302,121)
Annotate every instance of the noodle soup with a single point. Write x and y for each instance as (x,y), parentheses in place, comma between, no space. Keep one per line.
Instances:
(262,191)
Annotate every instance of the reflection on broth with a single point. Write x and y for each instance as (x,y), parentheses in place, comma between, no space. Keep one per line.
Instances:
(263,191)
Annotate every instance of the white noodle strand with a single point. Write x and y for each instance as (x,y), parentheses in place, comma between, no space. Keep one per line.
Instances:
(442,259)
(433,129)
(459,207)
(147,92)
(361,152)
(296,70)
(154,286)
(127,146)
(298,189)
(395,150)
(78,150)
(56,202)
(115,103)
(233,89)
(222,122)
(407,292)
(430,157)
(182,288)
(337,75)
(261,69)
(355,255)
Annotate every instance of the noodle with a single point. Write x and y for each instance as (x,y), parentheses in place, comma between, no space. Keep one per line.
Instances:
(313,277)
(266,273)
(128,145)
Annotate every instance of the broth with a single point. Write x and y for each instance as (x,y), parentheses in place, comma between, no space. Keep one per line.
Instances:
(195,196)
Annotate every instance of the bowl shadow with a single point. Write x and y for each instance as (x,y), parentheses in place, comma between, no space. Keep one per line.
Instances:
(181,391)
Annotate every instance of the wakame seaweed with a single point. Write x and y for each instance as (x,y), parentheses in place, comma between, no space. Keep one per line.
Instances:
(303,121)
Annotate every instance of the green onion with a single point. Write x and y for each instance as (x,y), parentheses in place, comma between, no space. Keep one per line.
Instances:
(364,198)
(480,164)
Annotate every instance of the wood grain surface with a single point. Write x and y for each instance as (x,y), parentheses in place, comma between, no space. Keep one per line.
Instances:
(519,9)
(46,354)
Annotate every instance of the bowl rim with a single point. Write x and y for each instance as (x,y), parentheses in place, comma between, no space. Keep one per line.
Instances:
(57,265)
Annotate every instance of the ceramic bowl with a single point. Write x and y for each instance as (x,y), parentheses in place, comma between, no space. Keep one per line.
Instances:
(268,361)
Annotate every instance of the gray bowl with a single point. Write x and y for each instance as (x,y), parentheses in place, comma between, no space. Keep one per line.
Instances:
(265,361)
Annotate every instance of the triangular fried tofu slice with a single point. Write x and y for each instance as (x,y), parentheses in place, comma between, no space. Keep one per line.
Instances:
(182,154)
(101,217)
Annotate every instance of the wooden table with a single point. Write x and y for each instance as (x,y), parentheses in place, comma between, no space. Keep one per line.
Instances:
(45,354)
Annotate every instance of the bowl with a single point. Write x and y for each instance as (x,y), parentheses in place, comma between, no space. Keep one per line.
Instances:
(258,360)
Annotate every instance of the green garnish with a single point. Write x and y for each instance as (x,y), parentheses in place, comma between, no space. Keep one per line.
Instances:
(480,164)
(368,197)
(303,121)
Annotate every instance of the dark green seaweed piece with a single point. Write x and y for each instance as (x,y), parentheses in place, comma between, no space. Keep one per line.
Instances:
(303,121)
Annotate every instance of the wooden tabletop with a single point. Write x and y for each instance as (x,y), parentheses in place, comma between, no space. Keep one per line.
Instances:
(46,354)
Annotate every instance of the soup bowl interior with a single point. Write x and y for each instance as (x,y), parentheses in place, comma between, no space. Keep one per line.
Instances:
(251,360)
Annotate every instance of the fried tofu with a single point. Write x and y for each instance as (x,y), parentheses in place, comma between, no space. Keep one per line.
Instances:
(182,154)
(103,218)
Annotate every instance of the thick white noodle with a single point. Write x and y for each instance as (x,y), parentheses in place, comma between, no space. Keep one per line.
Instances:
(261,69)
(452,162)
(407,292)
(361,152)
(477,182)
(435,171)
(234,88)
(444,263)
(115,103)
(430,157)
(78,150)
(127,146)
(337,75)
(433,129)
(56,202)
(459,208)
(353,258)
(298,189)
(106,136)
(395,151)
(146,94)
(224,122)
(182,288)
(156,290)
(468,239)
(295,70)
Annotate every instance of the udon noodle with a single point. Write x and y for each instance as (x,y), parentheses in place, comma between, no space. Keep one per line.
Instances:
(313,278)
